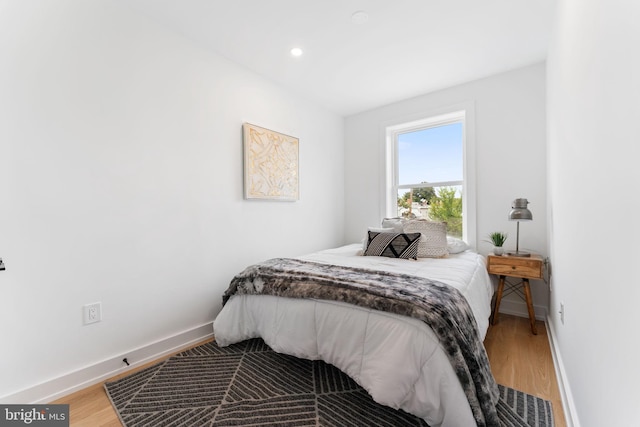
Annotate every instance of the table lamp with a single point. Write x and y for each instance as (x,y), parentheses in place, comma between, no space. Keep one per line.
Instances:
(519,212)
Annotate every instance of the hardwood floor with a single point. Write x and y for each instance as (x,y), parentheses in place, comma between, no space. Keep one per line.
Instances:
(523,361)
(518,359)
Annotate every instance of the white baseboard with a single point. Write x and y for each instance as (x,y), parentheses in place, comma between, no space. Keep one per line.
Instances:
(570,413)
(519,308)
(56,388)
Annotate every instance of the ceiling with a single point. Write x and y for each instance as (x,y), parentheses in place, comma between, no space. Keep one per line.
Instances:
(404,49)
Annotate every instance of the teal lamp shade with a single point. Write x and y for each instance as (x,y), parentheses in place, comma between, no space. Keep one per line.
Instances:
(519,212)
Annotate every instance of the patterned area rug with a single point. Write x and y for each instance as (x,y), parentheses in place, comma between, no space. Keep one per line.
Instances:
(248,384)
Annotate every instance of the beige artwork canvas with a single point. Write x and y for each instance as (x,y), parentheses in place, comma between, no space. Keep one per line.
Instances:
(270,164)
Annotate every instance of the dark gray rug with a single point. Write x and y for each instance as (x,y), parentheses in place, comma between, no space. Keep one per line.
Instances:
(248,384)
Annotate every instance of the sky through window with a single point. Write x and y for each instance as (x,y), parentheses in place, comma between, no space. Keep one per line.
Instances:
(430,155)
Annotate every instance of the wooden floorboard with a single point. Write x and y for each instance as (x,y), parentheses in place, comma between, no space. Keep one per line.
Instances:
(523,361)
(518,359)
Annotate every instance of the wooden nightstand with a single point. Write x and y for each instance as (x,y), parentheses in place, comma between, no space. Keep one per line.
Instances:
(523,268)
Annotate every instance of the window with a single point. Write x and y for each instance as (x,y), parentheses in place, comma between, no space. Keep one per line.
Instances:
(427,172)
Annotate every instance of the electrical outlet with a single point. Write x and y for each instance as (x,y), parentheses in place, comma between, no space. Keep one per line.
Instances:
(561,312)
(547,263)
(92,313)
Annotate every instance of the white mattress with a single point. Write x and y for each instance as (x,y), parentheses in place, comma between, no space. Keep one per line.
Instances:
(397,359)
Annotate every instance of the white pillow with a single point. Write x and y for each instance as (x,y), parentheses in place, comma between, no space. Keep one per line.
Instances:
(381,230)
(433,242)
(456,246)
(395,223)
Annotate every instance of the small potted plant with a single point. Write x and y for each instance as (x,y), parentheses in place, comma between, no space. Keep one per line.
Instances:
(497,239)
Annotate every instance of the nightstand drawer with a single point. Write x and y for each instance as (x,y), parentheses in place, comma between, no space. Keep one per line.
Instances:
(515,266)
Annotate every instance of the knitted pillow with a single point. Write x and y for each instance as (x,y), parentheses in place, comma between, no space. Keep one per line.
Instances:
(393,245)
(433,242)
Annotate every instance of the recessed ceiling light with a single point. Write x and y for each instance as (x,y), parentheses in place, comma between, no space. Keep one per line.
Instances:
(296,51)
(359,17)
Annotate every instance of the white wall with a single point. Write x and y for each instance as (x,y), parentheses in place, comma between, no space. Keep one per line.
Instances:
(593,148)
(510,140)
(121,182)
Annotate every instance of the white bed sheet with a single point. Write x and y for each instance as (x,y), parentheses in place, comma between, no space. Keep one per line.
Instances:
(397,359)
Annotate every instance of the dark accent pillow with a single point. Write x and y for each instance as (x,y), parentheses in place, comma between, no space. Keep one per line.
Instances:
(393,245)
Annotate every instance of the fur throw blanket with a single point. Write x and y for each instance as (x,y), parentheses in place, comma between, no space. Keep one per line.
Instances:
(440,306)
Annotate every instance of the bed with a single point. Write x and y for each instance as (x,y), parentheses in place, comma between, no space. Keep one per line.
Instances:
(399,360)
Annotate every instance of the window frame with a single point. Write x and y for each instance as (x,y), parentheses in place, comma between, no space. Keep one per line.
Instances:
(461,113)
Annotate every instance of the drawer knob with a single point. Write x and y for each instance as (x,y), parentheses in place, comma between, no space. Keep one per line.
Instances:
(513,267)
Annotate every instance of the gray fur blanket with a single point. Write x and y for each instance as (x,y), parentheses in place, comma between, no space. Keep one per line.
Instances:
(440,306)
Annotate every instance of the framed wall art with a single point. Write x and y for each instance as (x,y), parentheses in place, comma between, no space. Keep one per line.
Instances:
(270,164)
